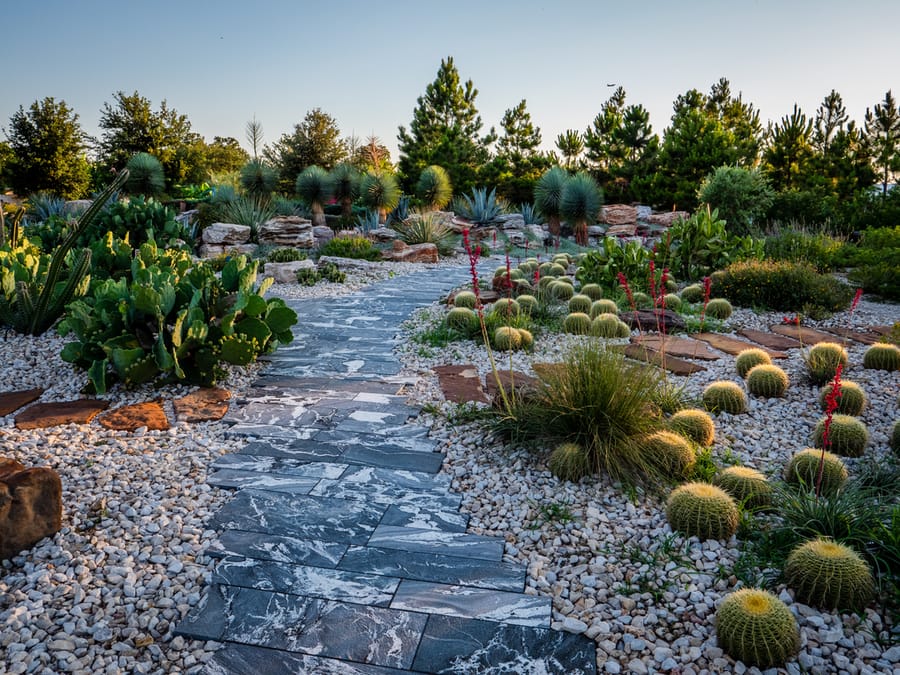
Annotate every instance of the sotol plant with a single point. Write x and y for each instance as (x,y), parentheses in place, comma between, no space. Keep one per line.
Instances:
(755,627)
(434,189)
(145,175)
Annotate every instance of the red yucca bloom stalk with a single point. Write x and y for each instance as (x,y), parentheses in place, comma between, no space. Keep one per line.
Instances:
(831,404)
(855,302)
(623,282)
(473,268)
(707,291)
(652,282)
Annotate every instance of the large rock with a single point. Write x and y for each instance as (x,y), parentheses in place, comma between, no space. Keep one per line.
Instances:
(667,219)
(225,234)
(444,218)
(215,250)
(643,211)
(510,221)
(322,235)
(350,264)
(651,319)
(383,234)
(618,214)
(30,506)
(287,231)
(286,272)
(418,253)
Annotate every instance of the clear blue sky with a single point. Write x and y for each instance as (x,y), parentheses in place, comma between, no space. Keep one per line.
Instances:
(220,62)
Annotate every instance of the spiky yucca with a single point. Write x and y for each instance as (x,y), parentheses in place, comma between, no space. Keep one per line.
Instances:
(580,303)
(548,191)
(314,186)
(381,192)
(577,323)
(580,204)
(767,381)
(609,326)
(693,293)
(749,358)
(434,189)
(829,575)
(603,306)
(725,396)
(822,361)
(145,175)
(507,339)
(462,319)
(847,436)
(695,425)
(702,510)
(671,453)
(527,303)
(465,299)
(748,486)
(569,461)
(803,469)
(882,356)
(593,291)
(258,179)
(852,400)
(755,627)
(719,308)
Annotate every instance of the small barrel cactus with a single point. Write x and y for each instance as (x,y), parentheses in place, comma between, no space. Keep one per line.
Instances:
(894,441)
(569,461)
(823,359)
(719,308)
(545,283)
(829,575)
(577,323)
(672,301)
(702,510)
(642,300)
(526,338)
(695,425)
(522,286)
(749,358)
(527,303)
(580,303)
(506,307)
(767,381)
(593,291)
(500,271)
(847,436)
(671,285)
(852,400)
(725,396)
(748,486)
(668,452)
(609,326)
(507,339)
(465,299)
(693,293)
(755,627)
(803,469)
(545,269)
(567,280)
(557,270)
(561,290)
(462,319)
(882,356)
(603,306)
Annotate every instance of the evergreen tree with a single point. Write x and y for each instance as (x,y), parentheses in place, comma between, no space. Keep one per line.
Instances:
(512,172)
(316,141)
(520,138)
(601,149)
(370,157)
(48,150)
(571,144)
(445,131)
(841,166)
(883,134)
(788,156)
(739,120)
(637,147)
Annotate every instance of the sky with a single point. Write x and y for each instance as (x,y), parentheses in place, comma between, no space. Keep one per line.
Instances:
(221,62)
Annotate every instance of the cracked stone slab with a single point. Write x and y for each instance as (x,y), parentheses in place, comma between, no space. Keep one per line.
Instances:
(278,548)
(425,517)
(327,385)
(149,414)
(299,451)
(44,415)
(204,405)
(238,659)
(272,431)
(458,544)
(279,465)
(237,479)
(807,336)
(768,339)
(10,401)
(385,494)
(733,346)
(283,415)
(409,480)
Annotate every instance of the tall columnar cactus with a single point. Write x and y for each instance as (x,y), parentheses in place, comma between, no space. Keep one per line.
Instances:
(749,358)
(829,575)
(847,436)
(852,400)
(723,396)
(755,627)
(702,510)
(767,381)
(748,486)
(695,425)
(882,356)
(804,467)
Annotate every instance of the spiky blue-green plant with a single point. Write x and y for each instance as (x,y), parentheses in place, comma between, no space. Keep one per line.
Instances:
(345,188)
(314,187)
(380,192)
(434,189)
(480,207)
(580,204)
(146,175)
(548,192)
(258,179)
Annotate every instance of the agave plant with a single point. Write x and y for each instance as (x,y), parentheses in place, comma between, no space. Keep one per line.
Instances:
(580,204)
(528,213)
(399,213)
(481,207)
(345,188)
(548,192)
(146,175)
(314,187)
(434,189)
(368,221)
(44,205)
(380,191)
(258,179)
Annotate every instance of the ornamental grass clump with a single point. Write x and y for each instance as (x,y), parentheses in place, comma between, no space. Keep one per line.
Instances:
(882,356)
(749,358)
(580,303)
(822,361)
(852,400)
(603,306)
(847,436)
(569,461)
(724,396)
(803,470)
(702,510)
(577,323)
(829,575)
(748,486)
(695,425)
(719,308)
(755,627)
(465,299)
(767,381)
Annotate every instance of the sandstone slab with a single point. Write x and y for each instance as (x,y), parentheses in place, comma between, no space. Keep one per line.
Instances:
(461,384)
(55,413)
(510,380)
(286,272)
(618,214)
(418,253)
(667,219)
(203,405)
(30,506)
(225,234)
(733,346)
(769,340)
(149,414)
(807,336)
(287,231)
(673,364)
(678,346)
(11,401)
(855,335)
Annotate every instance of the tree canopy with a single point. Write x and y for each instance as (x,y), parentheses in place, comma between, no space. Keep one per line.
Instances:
(316,141)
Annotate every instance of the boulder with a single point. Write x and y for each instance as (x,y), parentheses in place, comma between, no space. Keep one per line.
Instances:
(668,218)
(596,231)
(444,218)
(622,230)
(286,272)
(418,253)
(643,212)
(30,506)
(350,264)
(516,238)
(322,234)
(383,234)
(539,232)
(618,214)
(287,231)
(215,250)
(649,319)
(226,234)
(510,221)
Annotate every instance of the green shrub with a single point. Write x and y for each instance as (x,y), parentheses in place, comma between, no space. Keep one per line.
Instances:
(748,486)
(695,425)
(602,266)
(580,303)
(702,510)
(803,470)
(577,323)
(569,461)
(829,575)
(847,436)
(767,381)
(749,358)
(693,293)
(462,319)
(822,361)
(593,291)
(359,248)
(138,220)
(755,627)
(722,396)
(852,400)
(670,453)
(603,306)
(876,261)
(817,250)
(882,356)
(465,299)
(281,255)
(609,326)
(719,308)
(742,197)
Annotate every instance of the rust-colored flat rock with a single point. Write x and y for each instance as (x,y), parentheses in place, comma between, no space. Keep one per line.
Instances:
(807,336)
(461,384)
(769,340)
(30,508)
(508,379)
(130,417)
(678,346)
(855,335)
(881,330)
(8,466)
(733,346)
(547,371)
(673,364)
(54,413)
(13,400)
(203,405)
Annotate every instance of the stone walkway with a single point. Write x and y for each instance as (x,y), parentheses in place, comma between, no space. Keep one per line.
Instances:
(343,549)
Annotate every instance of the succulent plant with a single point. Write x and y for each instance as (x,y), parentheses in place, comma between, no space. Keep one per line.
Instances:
(577,323)
(557,270)
(609,326)
(569,461)
(852,400)
(669,452)
(561,290)
(672,286)
(748,486)
(803,469)
(545,268)
(593,291)
(702,510)
(565,279)
(580,303)
(381,192)
(527,303)
(258,179)
(604,306)
(695,425)
(641,300)
(823,359)
(894,441)
(507,339)
(462,319)
(749,358)
(506,307)
(847,436)
(767,381)
(755,627)
(725,396)
(829,575)
(719,308)
(672,301)
(465,299)
(526,338)
(882,356)
(693,293)
(434,189)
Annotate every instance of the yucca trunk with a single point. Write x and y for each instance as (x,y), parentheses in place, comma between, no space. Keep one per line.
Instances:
(581,233)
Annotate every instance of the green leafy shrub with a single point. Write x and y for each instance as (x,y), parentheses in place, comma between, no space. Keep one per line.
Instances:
(781,286)
(875,262)
(145,175)
(803,470)
(286,254)
(822,361)
(138,220)
(749,358)
(797,246)
(702,510)
(332,273)
(829,575)
(767,381)
(847,436)
(695,425)
(882,356)
(722,396)
(748,486)
(434,189)
(603,266)
(741,196)
(755,627)
(852,400)
(569,461)
(358,248)
(577,323)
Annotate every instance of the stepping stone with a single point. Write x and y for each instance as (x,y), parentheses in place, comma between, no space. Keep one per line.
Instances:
(316,582)
(204,405)
(461,384)
(238,659)
(298,451)
(473,603)
(431,541)
(279,466)
(281,415)
(733,346)
(549,371)
(278,548)
(672,363)
(273,431)
(881,330)
(769,340)
(858,336)
(677,346)
(500,576)
(10,401)
(44,415)
(425,517)
(807,336)
(236,479)
(386,494)
(130,417)
(324,628)
(328,385)
(438,484)
(508,379)
(454,645)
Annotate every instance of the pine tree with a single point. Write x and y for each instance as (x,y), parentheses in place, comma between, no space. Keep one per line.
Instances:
(842,165)
(571,144)
(316,141)
(788,156)
(518,162)
(883,133)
